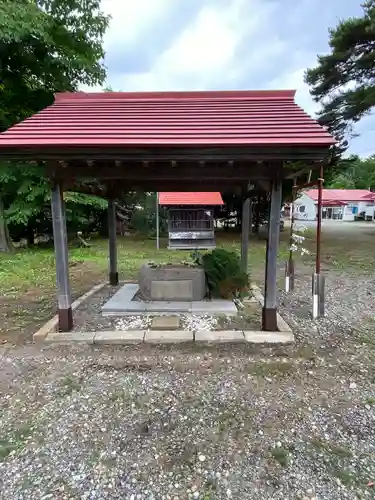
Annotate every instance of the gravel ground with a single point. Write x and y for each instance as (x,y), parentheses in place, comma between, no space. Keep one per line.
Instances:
(88,316)
(193,422)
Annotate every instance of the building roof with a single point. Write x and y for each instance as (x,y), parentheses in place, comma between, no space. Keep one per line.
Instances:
(255,118)
(333,203)
(342,195)
(190,199)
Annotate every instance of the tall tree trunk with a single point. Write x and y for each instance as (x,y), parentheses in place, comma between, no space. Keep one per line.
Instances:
(103,228)
(30,235)
(256,216)
(6,244)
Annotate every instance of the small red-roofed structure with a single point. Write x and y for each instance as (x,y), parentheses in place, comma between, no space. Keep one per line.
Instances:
(190,219)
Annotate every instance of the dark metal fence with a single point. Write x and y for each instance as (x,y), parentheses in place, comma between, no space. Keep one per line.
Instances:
(190,220)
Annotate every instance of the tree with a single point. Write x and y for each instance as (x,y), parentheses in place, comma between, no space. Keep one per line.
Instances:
(355,173)
(28,203)
(46,46)
(344,80)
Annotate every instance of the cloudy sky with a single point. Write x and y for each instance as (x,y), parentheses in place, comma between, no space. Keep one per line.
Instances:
(223,44)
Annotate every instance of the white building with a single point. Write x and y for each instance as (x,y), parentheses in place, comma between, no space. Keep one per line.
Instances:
(339,204)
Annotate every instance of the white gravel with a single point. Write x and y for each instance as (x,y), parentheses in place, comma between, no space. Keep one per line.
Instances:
(196,323)
(190,322)
(132,323)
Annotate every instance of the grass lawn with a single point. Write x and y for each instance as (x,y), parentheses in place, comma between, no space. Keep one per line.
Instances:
(27,277)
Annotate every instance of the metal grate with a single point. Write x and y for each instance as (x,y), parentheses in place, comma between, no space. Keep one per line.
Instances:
(190,220)
(191,228)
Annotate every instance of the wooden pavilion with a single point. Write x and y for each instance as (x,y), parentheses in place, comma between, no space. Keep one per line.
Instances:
(201,141)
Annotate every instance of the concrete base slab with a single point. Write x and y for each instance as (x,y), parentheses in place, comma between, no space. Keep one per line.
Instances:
(168,337)
(122,304)
(165,323)
(214,306)
(71,337)
(120,337)
(164,306)
(282,325)
(219,336)
(268,337)
(122,300)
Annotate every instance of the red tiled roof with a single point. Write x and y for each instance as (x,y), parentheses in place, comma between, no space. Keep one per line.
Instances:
(342,195)
(255,118)
(190,199)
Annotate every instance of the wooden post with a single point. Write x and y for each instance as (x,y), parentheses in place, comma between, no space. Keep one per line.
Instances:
(269,313)
(257,216)
(6,244)
(113,273)
(289,264)
(318,279)
(251,217)
(62,259)
(245,225)
(157,222)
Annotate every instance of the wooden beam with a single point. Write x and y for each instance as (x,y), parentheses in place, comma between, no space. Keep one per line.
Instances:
(269,313)
(136,171)
(305,185)
(113,272)
(61,254)
(304,170)
(245,229)
(167,153)
(124,186)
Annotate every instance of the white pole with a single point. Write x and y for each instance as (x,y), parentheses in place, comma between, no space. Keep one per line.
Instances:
(157,221)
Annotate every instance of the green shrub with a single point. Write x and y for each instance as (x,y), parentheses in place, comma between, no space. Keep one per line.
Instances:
(223,273)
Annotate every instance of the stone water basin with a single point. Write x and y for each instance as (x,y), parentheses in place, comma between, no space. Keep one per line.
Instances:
(172,282)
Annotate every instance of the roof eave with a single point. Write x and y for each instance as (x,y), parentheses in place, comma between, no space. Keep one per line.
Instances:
(285,152)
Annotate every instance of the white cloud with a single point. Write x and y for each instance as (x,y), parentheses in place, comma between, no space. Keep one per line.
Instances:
(207,45)
(130,18)
(225,46)
(229,44)
(205,53)
(218,44)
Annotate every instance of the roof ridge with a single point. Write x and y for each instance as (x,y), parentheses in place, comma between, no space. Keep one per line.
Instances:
(202,198)
(242,118)
(171,96)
